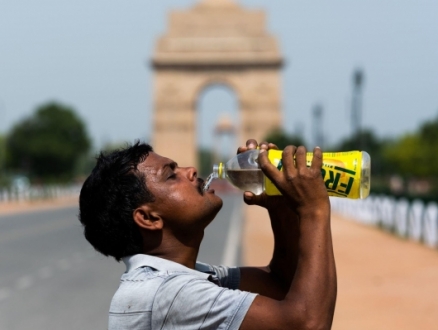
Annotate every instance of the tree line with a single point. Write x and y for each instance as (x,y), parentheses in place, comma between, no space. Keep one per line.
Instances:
(53,145)
(406,165)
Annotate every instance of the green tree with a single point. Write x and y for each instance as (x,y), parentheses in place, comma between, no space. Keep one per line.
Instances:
(2,152)
(415,154)
(205,157)
(367,141)
(406,156)
(282,139)
(429,132)
(2,160)
(48,144)
(429,141)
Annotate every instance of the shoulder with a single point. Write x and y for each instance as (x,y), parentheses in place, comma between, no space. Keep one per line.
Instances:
(143,287)
(229,277)
(177,299)
(146,295)
(187,302)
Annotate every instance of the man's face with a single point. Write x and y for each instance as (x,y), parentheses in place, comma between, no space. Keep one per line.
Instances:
(179,198)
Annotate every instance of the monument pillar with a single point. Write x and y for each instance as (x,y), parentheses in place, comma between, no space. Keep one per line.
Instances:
(216,41)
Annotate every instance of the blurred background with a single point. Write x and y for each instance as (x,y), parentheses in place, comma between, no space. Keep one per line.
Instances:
(78,78)
(355,76)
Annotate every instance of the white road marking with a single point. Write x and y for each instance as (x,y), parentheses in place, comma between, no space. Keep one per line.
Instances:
(24,282)
(4,294)
(78,257)
(28,281)
(229,257)
(63,264)
(36,230)
(45,272)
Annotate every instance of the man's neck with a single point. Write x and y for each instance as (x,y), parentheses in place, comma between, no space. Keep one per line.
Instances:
(184,253)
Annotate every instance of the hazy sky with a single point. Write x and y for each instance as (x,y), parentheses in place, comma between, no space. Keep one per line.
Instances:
(93,55)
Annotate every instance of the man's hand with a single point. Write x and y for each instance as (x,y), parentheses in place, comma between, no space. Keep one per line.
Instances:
(304,263)
(302,186)
(263,200)
(273,280)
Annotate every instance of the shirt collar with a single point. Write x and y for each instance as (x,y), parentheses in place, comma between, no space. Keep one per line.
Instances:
(140,260)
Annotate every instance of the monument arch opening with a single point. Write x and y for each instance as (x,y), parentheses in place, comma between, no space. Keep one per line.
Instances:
(216,41)
(218,120)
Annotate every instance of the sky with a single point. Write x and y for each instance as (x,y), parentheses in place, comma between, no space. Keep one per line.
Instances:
(94,56)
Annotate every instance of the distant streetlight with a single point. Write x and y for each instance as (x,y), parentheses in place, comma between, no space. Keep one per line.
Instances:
(356,106)
(318,135)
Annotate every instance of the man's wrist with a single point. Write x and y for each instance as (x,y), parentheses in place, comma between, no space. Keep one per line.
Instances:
(314,212)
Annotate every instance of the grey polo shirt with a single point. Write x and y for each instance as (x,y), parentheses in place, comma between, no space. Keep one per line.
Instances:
(156,293)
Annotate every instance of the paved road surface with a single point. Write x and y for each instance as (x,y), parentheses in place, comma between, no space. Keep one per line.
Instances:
(51,278)
(384,282)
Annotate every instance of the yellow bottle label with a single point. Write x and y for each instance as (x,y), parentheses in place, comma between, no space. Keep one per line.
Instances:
(341,172)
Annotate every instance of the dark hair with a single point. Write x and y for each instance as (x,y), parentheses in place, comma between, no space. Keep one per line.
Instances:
(114,189)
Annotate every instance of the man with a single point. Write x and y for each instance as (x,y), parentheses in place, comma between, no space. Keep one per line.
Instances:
(144,209)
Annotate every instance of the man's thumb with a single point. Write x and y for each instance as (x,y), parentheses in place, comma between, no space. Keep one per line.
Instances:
(251,199)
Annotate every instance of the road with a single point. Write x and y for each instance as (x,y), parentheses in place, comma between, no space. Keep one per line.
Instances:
(51,278)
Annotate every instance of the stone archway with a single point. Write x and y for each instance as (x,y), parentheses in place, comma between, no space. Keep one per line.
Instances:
(215,42)
(217,124)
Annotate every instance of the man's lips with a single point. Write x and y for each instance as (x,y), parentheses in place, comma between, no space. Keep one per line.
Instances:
(200,186)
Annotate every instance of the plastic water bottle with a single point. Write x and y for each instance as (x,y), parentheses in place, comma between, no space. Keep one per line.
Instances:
(345,174)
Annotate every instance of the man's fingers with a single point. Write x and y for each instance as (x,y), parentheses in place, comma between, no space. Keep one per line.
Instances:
(317,159)
(267,168)
(300,158)
(288,159)
(251,199)
(272,146)
(248,197)
(264,145)
(241,149)
(251,144)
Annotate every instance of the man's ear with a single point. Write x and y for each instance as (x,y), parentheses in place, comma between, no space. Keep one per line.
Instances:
(146,218)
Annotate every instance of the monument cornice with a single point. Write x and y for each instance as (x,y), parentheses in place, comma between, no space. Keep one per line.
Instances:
(215,42)
(216,65)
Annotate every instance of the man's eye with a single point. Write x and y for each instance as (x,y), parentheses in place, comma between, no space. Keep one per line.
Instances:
(173,176)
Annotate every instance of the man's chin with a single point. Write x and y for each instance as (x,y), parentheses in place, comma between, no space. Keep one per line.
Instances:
(215,206)
(221,203)
(218,202)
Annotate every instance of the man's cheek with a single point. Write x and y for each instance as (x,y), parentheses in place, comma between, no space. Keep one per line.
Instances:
(176,197)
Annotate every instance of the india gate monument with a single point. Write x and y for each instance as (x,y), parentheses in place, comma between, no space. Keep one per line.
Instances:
(214,42)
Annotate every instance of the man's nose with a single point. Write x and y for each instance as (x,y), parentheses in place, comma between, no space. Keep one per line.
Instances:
(192,174)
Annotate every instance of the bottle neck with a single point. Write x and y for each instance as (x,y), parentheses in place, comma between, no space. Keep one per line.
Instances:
(219,171)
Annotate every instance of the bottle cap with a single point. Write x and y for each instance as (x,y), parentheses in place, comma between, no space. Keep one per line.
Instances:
(218,170)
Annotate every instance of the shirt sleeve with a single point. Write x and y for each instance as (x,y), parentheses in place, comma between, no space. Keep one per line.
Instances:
(229,277)
(188,302)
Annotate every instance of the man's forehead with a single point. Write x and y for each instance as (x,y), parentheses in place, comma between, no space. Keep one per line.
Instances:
(153,163)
